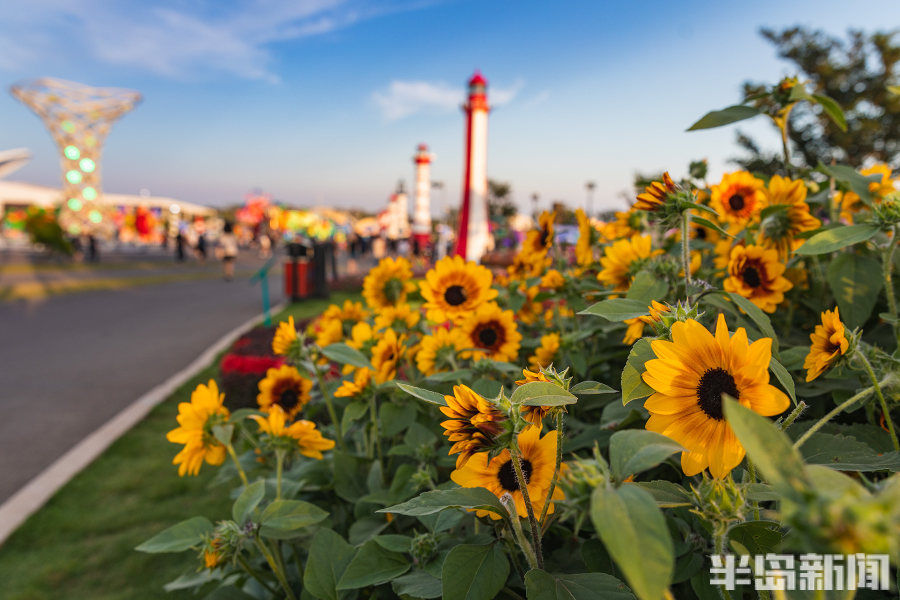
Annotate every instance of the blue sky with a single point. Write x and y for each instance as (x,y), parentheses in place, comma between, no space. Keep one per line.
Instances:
(324,101)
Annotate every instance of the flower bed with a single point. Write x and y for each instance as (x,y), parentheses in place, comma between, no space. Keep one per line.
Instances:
(713,373)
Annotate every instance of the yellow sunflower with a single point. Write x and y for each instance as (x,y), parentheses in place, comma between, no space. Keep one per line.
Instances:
(546,352)
(492,331)
(386,354)
(530,310)
(654,195)
(356,386)
(527,264)
(454,288)
(362,336)
(388,283)
(691,374)
(285,388)
(327,331)
(213,554)
(780,230)
(850,204)
(309,440)
(499,477)
(621,260)
(534,414)
(828,343)
(626,224)
(540,240)
(552,279)
(635,329)
(195,422)
(885,186)
(401,316)
(738,198)
(437,352)
(584,247)
(473,423)
(285,336)
(756,274)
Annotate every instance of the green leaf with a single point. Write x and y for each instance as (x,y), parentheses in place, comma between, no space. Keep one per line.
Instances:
(709,224)
(768,447)
(542,393)
(832,109)
(756,315)
(858,182)
(856,282)
(474,572)
(178,538)
(353,412)
(423,394)
(633,386)
(755,537)
(845,453)
(702,207)
(666,493)
(247,501)
(438,500)
(283,518)
(329,555)
(417,584)
(617,309)
(223,433)
(836,238)
(635,533)
(784,378)
(646,287)
(346,355)
(587,388)
(633,451)
(372,565)
(394,418)
(541,585)
(726,116)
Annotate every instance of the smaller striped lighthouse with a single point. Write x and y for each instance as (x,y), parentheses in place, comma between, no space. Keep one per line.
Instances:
(421,228)
(473,233)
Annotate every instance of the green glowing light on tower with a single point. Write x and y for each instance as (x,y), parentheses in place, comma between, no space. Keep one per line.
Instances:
(89,194)
(72,153)
(87,165)
(73,176)
(75,204)
(95,216)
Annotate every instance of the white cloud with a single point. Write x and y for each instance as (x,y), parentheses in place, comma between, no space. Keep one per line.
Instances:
(172,38)
(405,98)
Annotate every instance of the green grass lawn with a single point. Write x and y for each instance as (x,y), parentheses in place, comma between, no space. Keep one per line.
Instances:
(81,544)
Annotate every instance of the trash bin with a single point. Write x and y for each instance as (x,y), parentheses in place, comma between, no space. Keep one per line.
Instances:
(296,278)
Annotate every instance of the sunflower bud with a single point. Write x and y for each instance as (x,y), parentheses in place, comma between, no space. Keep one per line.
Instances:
(886,214)
(424,546)
(720,501)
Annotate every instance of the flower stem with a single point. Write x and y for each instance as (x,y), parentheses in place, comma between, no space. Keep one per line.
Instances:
(375,447)
(330,405)
(686,250)
(798,410)
(831,414)
(720,549)
(255,574)
(884,407)
(237,464)
(523,487)
(560,423)
(279,468)
(277,570)
(507,501)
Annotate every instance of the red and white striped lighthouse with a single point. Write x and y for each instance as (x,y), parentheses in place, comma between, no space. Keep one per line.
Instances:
(473,234)
(421,228)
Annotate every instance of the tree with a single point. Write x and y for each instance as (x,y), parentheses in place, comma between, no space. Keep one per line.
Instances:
(500,203)
(857,73)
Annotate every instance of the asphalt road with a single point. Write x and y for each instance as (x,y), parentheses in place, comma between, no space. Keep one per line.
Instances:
(71,362)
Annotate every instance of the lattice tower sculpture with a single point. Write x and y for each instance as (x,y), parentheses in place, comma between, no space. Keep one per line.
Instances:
(79,118)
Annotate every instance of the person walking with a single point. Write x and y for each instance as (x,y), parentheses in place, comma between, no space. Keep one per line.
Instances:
(229,245)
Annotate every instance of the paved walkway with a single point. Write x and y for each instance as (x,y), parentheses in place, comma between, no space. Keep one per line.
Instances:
(69,363)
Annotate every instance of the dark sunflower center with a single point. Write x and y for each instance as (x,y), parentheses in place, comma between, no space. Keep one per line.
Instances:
(700,233)
(545,234)
(713,384)
(751,277)
(393,290)
(288,399)
(488,336)
(507,475)
(736,202)
(455,295)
